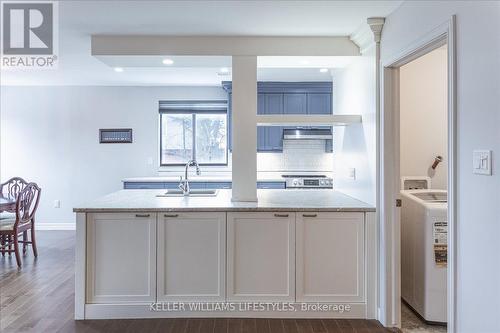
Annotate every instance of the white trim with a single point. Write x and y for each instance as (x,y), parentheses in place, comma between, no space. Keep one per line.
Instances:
(371,264)
(80,265)
(388,189)
(55,226)
(452,177)
(363,38)
(434,39)
(113,45)
(389,166)
(376,25)
(142,310)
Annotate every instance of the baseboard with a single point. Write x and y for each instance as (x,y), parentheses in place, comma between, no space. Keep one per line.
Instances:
(55,226)
(144,310)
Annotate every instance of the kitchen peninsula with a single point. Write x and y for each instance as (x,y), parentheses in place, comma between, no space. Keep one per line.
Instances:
(308,248)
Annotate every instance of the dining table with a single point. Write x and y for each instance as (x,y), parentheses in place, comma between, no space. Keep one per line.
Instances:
(7,204)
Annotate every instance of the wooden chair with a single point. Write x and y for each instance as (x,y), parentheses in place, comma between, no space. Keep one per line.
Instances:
(11,228)
(10,189)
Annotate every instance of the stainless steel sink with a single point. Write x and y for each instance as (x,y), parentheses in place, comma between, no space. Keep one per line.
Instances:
(192,193)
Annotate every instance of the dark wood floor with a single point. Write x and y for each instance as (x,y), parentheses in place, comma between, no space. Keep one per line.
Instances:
(39,298)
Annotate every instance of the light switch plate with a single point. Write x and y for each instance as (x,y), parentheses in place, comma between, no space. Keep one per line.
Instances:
(481,162)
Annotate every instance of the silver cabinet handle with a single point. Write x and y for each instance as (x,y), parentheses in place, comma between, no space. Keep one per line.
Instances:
(170,215)
(281,215)
(142,215)
(309,215)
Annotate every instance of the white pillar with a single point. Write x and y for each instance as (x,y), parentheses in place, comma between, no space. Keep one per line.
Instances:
(244,108)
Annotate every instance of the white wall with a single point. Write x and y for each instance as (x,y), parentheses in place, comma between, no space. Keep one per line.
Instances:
(423,117)
(478,87)
(354,146)
(49,134)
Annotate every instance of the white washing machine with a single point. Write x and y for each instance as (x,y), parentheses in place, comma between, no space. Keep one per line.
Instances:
(424,248)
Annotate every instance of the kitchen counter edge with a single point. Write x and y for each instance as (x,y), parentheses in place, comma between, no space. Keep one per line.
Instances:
(224,209)
(268,201)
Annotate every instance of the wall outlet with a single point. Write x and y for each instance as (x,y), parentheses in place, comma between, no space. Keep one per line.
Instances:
(481,162)
(57,203)
(150,161)
(351,173)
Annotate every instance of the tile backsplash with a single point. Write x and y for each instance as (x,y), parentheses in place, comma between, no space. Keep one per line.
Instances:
(298,155)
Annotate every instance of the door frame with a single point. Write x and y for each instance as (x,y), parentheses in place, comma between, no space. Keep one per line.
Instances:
(389,183)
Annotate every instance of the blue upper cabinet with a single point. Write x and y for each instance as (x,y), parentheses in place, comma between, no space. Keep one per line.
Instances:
(261,103)
(295,103)
(273,103)
(274,139)
(262,139)
(319,103)
(283,98)
(269,138)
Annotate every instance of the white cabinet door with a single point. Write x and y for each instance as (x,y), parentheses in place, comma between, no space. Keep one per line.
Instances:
(191,257)
(330,257)
(121,262)
(261,257)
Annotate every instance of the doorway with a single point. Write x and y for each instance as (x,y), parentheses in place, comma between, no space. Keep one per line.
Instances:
(439,165)
(423,161)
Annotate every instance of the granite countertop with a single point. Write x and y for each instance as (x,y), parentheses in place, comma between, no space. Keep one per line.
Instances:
(268,200)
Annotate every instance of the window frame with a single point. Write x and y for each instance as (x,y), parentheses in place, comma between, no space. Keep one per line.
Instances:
(193,113)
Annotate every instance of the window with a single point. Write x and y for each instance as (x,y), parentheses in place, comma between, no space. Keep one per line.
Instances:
(176,138)
(193,130)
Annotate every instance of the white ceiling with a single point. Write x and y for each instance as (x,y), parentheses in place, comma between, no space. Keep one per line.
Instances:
(80,19)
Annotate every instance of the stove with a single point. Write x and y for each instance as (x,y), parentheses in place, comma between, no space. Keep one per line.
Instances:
(308,181)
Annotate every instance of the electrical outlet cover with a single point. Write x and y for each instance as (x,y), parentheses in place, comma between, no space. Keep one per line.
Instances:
(352,173)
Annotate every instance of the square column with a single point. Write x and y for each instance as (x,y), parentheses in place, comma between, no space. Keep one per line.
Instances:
(244,108)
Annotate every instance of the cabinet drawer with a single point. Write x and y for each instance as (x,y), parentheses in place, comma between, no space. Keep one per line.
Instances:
(191,257)
(121,258)
(261,257)
(330,257)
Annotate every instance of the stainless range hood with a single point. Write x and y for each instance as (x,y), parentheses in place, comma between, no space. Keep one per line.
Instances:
(307,134)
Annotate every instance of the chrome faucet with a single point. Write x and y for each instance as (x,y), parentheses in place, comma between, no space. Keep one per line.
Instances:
(184,184)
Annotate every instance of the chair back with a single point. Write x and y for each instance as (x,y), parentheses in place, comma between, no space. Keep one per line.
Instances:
(27,203)
(13,187)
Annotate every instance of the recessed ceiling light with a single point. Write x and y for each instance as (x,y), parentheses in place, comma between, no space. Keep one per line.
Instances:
(324,70)
(118,69)
(167,61)
(305,62)
(224,70)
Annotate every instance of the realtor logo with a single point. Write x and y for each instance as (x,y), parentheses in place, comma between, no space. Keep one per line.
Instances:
(29,34)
